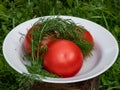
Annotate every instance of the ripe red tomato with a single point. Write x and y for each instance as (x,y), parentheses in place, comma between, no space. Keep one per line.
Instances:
(47,40)
(88,37)
(85,35)
(63,58)
(27,42)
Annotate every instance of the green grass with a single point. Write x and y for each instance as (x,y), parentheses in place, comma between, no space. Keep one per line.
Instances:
(103,12)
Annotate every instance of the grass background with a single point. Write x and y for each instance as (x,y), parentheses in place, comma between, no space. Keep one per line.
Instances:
(14,12)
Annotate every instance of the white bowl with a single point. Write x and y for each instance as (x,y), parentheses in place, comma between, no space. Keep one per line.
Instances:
(103,56)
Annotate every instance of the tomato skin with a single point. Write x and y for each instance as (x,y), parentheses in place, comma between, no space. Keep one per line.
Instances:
(47,40)
(63,58)
(27,42)
(88,37)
